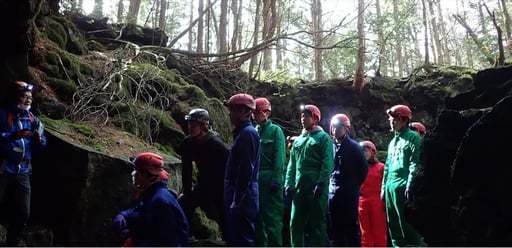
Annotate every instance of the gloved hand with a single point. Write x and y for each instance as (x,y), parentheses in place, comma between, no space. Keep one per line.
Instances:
(274,187)
(119,223)
(235,210)
(23,133)
(288,191)
(319,189)
(407,193)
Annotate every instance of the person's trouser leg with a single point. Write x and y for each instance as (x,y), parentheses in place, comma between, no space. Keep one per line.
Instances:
(22,210)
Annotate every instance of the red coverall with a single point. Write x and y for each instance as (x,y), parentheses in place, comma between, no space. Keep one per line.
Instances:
(372,211)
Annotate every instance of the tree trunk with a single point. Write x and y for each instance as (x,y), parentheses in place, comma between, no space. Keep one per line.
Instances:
(435,32)
(223,28)
(507,21)
(475,39)
(255,40)
(426,63)
(133,11)
(120,11)
(443,32)
(382,64)
(200,26)
(236,25)
(98,9)
(316,16)
(190,20)
(161,16)
(398,48)
(501,56)
(269,27)
(359,75)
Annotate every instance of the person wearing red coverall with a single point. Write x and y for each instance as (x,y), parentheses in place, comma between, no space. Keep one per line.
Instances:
(372,211)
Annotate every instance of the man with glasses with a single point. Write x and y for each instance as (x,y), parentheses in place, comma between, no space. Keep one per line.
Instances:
(21,133)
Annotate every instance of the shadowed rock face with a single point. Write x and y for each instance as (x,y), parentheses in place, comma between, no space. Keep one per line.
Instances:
(461,194)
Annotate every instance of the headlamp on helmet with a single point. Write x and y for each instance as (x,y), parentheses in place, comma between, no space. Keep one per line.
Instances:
(312,110)
(22,86)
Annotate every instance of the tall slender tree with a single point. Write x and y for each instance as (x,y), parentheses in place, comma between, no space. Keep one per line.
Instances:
(316,16)
(359,75)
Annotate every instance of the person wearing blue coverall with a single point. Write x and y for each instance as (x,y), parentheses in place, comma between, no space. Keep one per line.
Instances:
(241,195)
(350,170)
(157,219)
(22,134)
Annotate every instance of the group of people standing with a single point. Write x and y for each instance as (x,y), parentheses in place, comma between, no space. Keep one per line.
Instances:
(341,194)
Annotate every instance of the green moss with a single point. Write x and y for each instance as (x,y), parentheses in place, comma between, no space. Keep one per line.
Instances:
(64,88)
(55,32)
(94,45)
(51,70)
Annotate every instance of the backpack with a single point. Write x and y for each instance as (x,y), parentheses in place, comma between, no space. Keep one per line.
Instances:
(10,119)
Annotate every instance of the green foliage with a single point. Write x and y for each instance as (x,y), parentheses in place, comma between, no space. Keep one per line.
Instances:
(63,88)
(280,76)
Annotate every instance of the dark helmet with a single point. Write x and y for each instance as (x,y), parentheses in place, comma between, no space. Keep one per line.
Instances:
(241,99)
(400,111)
(314,110)
(148,161)
(200,115)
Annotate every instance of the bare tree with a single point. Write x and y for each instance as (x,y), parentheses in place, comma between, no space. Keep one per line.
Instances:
(269,28)
(120,11)
(255,39)
(161,15)
(222,35)
(359,75)
(398,47)
(316,16)
(133,11)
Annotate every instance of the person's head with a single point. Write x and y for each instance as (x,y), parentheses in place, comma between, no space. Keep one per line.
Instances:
(262,111)
(340,126)
(370,150)
(399,117)
(148,167)
(198,122)
(23,95)
(418,127)
(310,116)
(240,107)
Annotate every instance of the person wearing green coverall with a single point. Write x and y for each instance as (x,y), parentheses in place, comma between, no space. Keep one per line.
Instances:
(307,177)
(269,222)
(399,170)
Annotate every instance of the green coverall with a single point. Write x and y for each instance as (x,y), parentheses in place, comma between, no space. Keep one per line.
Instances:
(269,221)
(402,159)
(311,163)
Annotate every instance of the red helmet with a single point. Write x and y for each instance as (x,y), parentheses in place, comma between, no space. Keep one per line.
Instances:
(262,104)
(368,144)
(420,128)
(148,161)
(314,110)
(339,120)
(400,111)
(241,99)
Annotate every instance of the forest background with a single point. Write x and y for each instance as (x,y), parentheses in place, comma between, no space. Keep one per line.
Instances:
(291,40)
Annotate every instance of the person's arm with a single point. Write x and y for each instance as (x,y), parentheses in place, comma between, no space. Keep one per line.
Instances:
(327,158)
(246,163)
(290,170)
(362,165)
(279,155)
(186,168)
(414,159)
